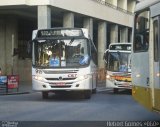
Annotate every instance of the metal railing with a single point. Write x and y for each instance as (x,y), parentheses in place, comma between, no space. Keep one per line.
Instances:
(113,6)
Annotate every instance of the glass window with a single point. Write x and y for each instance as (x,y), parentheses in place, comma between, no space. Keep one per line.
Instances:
(119,62)
(61,53)
(141,35)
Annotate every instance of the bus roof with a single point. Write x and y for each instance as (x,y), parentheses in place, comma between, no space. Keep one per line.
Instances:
(144,4)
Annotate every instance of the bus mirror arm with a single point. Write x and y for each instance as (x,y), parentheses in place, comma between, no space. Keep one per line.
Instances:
(103,56)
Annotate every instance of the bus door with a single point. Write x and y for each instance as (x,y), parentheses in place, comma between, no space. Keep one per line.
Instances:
(156,66)
(140,60)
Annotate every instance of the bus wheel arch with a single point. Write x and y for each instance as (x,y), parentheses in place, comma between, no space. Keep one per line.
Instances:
(94,91)
(115,90)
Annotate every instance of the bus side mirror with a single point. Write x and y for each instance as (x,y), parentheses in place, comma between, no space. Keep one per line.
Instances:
(105,56)
(82,50)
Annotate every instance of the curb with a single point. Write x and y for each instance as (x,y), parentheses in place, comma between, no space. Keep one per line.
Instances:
(14,93)
(103,89)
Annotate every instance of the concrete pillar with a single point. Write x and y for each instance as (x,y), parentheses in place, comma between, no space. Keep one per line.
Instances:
(130,35)
(125,4)
(44,17)
(131,5)
(88,23)
(112,2)
(68,20)
(114,34)
(122,4)
(101,43)
(11,42)
(124,34)
(2,45)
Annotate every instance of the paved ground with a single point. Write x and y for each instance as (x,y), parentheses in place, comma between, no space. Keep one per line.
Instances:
(26,87)
(103,106)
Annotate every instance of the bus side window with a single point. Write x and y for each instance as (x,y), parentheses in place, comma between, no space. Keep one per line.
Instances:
(141,42)
(138,43)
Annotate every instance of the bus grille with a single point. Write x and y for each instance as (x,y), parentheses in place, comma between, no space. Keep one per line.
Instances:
(55,79)
(59,71)
(61,86)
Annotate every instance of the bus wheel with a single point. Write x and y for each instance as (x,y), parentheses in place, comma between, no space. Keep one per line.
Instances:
(94,91)
(115,90)
(87,94)
(45,95)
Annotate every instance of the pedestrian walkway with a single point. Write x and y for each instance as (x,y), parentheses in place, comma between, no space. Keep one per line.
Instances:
(24,88)
(102,87)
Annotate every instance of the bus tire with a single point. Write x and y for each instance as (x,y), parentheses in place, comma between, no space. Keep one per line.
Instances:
(94,91)
(45,95)
(87,94)
(115,90)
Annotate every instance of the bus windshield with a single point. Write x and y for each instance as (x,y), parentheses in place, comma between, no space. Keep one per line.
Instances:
(119,61)
(53,53)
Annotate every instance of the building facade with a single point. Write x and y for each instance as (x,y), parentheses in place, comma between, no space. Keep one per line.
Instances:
(108,21)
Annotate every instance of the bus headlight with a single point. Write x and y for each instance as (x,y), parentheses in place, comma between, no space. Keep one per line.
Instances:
(38,78)
(108,76)
(82,77)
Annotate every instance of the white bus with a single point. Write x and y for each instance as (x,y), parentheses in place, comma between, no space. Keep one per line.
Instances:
(146,54)
(63,59)
(118,66)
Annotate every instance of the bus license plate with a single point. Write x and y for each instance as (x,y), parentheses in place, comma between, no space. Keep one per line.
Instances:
(126,84)
(60,84)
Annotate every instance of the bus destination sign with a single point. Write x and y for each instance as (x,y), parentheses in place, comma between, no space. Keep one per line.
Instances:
(59,33)
(120,47)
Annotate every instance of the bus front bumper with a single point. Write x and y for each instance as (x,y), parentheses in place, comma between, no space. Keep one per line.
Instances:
(118,84)
(57,86)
